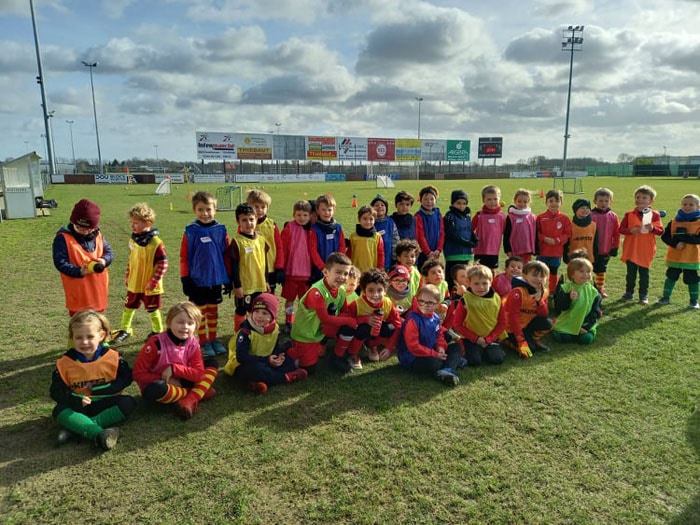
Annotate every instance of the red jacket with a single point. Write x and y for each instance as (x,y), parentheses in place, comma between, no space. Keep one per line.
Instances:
(554,225)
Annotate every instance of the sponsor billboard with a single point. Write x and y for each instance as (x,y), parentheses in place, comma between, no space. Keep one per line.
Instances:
(382,150)
(408,149)
(253,146)
(352,148)
(321,148)
(458,150)
(433,150)
(212,145)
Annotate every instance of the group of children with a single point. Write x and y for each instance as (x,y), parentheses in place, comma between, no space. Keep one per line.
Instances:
(380,291)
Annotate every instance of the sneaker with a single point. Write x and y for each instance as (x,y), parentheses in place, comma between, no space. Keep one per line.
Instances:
(258,387)
(218,348)
(64,436)
(451,336)
(187,406)
(539,347)
(340,363)
(627,297)
(447,376)
(207,350)
(354,362)
(373,354)
(107,439)
(462,363)
(643,299)
(209,394)
(120,337)
(296,375)
(694,305)
(663,300)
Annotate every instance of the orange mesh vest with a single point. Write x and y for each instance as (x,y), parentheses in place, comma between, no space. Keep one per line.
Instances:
(89,291)
(81,377)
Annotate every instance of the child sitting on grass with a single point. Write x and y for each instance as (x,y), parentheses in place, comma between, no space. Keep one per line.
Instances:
(502,283)
(87,384)
(255,357)
(422,347)
(170,369)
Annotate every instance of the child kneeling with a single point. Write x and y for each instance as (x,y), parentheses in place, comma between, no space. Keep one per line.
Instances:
(578,304)
(170,368)
(255,356)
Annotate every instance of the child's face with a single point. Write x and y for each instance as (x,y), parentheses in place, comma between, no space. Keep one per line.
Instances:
(302,217)
(435,275)
(583,212)
(83,230)
(461,277)
(460,204)
(261,317)
(689,205)
(246,223)
(490,200)
(553,204)
(325,212)
(428,201)
(139,225)
(374,292)
(602,202)
(350,284)
(407,258)
(642,200)
(380,208)
(205,212)
(367,221)
(480,285)
(399,284)
(403,207)
(521,202)
(336,275)
(260,209)
(535,280)
(426,304)
(514,268)
(582,275)
(87,338)
(182,326)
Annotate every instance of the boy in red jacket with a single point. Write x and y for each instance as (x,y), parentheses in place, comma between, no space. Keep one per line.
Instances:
(553,232)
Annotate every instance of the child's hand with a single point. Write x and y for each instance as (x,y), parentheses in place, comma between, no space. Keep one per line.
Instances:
(441,309)
(276,360)
(680,246)
(86,401)
(384,354)
(481,342)
(441,354)
(582,331)
(374,321)
(238,293)
(636,230)
(573,295)
(550,241)
(524,349)
(150,286)
(461,289)
(167,374)
(434,254)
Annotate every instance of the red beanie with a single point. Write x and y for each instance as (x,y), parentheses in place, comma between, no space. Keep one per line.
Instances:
(86,214)
(268,302)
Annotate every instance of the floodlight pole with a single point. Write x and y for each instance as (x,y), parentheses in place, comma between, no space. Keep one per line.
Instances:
(72,146)
(94,111)
(570,42)
(419,99)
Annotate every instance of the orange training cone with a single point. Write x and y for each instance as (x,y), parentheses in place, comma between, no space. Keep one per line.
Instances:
(541,194)
(354,201)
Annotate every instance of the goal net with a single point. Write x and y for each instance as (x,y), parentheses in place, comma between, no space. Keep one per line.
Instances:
(573,185)
(385,182)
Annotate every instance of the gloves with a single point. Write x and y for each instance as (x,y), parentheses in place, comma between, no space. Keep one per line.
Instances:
(332,309)
(279,276)
(228,288)
(189,287)
(387,330)
(524,350)
(613,252)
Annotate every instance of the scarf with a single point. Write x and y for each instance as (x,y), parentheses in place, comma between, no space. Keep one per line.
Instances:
(326,227)
(582,222)
(681,216)
(402,221)
(143,238)
(364,232)
(397,296)
(460,213)
(267,329)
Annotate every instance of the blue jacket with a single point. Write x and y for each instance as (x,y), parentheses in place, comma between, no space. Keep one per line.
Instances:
(459,238)
(429,328)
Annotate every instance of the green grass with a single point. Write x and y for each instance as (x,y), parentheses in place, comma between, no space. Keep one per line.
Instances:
(604,434)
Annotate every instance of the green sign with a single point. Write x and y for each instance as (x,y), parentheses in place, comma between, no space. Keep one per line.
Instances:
(458,150)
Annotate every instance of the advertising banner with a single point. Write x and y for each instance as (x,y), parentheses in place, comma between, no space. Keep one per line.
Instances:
(352,148)
(253,146)
(382,150)
(212,145)
(458,150)
(321,148)
(408,149)
(433,150)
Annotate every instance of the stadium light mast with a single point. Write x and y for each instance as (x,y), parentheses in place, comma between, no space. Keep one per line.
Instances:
(572,40)
(72,145)
(419,99)
(92,65)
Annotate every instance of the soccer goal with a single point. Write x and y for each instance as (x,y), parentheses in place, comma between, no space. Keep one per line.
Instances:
(384,181)
(228,197)
(572,185)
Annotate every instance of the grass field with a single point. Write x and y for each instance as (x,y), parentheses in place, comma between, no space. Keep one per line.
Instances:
(604,434)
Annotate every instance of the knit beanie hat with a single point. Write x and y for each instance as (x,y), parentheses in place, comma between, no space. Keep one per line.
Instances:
(268,302)
(399,270)
(86,214)
(428,189)
(459,194)
(379,198)
(580,203)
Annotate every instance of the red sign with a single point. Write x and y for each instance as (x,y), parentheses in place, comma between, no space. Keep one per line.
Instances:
(382,150)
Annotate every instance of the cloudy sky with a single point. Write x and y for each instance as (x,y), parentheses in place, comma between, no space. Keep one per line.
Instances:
(353,67)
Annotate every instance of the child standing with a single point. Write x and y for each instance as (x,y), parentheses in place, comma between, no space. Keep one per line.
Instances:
(459,238)
(489,225)
(553,232)
(255,357)
(87,384)
(81,254)
(265,226)
(430,233)
(169,368)
(639,227)
(608,230)
(502,283)
(682,235)
(147,265)
(204,269)
(386,227)
(480,320)
(297,260)
(578,305)
(405,222)
(319,314)
(248,263)
(584,234)
(520,231)
(326,236)
(422,347)
(366,247)
(378,320)
(527,312)
(406,254)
